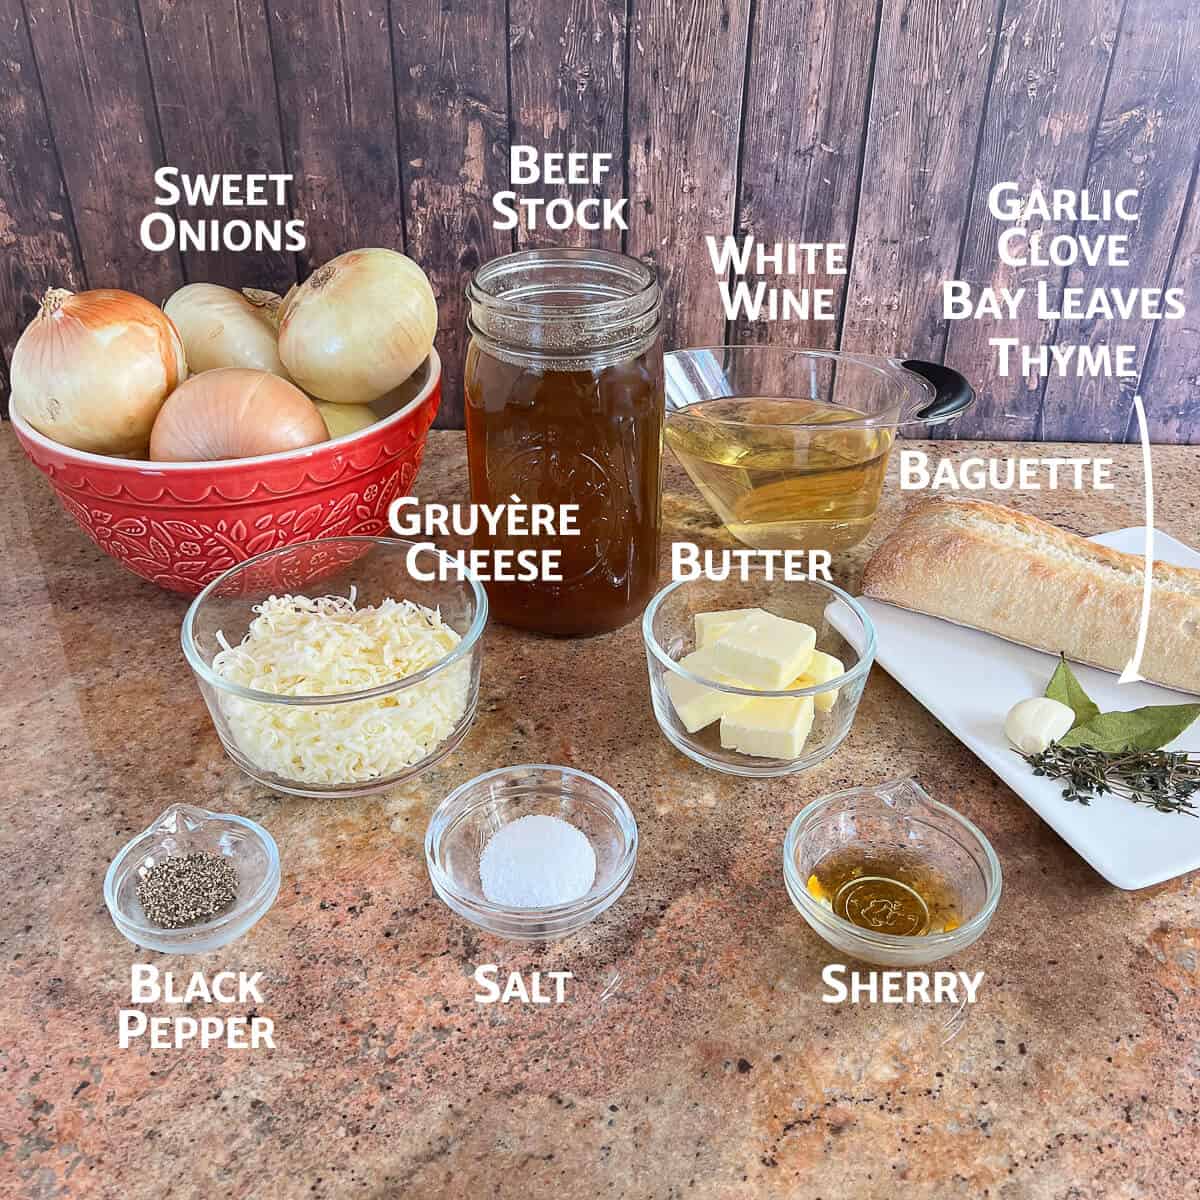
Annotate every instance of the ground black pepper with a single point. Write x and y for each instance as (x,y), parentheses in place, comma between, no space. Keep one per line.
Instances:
(187,889)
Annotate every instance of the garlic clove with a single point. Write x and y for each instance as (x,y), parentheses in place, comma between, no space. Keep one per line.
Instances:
(1031,725)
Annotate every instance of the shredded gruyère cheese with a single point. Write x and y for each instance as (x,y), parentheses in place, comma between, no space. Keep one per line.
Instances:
(297,646)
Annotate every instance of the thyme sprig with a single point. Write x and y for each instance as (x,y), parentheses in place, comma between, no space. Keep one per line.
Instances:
(1164,780)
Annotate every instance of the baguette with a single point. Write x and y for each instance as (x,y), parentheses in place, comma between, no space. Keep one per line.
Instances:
(992,568)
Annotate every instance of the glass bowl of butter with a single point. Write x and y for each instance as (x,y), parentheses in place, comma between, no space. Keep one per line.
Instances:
(889,875)
(750,675)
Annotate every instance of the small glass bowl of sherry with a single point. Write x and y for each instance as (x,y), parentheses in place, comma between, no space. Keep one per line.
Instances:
(889,875)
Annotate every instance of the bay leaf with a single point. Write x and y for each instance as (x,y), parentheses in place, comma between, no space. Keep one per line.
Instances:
(1148,728)
(1066,689)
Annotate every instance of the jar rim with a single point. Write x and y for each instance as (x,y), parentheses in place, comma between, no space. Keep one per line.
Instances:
(530,299)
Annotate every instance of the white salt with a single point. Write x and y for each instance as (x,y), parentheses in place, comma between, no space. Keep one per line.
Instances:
(536,862)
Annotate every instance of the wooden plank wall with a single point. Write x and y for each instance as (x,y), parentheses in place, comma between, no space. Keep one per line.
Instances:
(878,123)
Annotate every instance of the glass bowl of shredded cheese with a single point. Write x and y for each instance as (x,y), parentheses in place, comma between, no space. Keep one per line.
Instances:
(339,667)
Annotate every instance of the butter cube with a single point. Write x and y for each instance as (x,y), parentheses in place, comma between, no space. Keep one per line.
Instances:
(821,668)
(772,728)
(764,651)
(710,625)
(696,704)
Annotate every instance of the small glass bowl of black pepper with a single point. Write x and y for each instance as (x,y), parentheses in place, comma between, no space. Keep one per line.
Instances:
(193,881)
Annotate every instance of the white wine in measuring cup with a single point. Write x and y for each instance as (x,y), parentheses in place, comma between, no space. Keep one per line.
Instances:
(783,473)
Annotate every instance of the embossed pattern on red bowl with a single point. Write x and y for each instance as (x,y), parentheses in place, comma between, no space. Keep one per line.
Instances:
(180,525)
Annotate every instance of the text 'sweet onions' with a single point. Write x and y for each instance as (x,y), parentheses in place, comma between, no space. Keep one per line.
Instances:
(92,369)
(224,328)
(358,326)
(234,413)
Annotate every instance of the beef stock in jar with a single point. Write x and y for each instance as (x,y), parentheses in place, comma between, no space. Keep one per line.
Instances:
(564,405)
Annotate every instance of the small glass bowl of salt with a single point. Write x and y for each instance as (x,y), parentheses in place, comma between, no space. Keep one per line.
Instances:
(532,852)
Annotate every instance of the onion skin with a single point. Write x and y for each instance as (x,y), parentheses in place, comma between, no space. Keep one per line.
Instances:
(92,369)
(269,304)
(234,413)
(224,328)
(358,326)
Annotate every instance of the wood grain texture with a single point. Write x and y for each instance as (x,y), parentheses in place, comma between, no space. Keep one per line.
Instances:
(333,69)
(802,145)
(37,234)
(687,59)
(92,62)
(567,71)
(931,76)
(1051,66)
(215,90)
(1147,139)
(451,95)
(1170,383)
(881,123)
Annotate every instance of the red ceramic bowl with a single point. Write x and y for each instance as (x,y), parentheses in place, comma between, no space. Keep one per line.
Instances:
(180,525)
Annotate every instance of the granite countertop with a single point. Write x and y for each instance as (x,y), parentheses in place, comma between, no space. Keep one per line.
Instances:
(695,1058)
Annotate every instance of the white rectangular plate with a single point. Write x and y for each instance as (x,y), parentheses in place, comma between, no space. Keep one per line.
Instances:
(969,680)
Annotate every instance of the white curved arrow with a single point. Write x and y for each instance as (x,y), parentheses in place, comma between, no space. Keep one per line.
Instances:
(1130,674)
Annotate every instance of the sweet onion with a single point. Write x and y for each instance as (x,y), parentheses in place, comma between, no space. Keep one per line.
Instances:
(224,328)
(234,413)
(92,369)
(358,326)
(341,419)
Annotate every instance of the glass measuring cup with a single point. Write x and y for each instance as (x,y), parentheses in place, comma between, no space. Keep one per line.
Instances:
(790,447)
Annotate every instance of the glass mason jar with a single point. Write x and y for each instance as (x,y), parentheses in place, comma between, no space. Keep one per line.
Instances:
(564,406)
